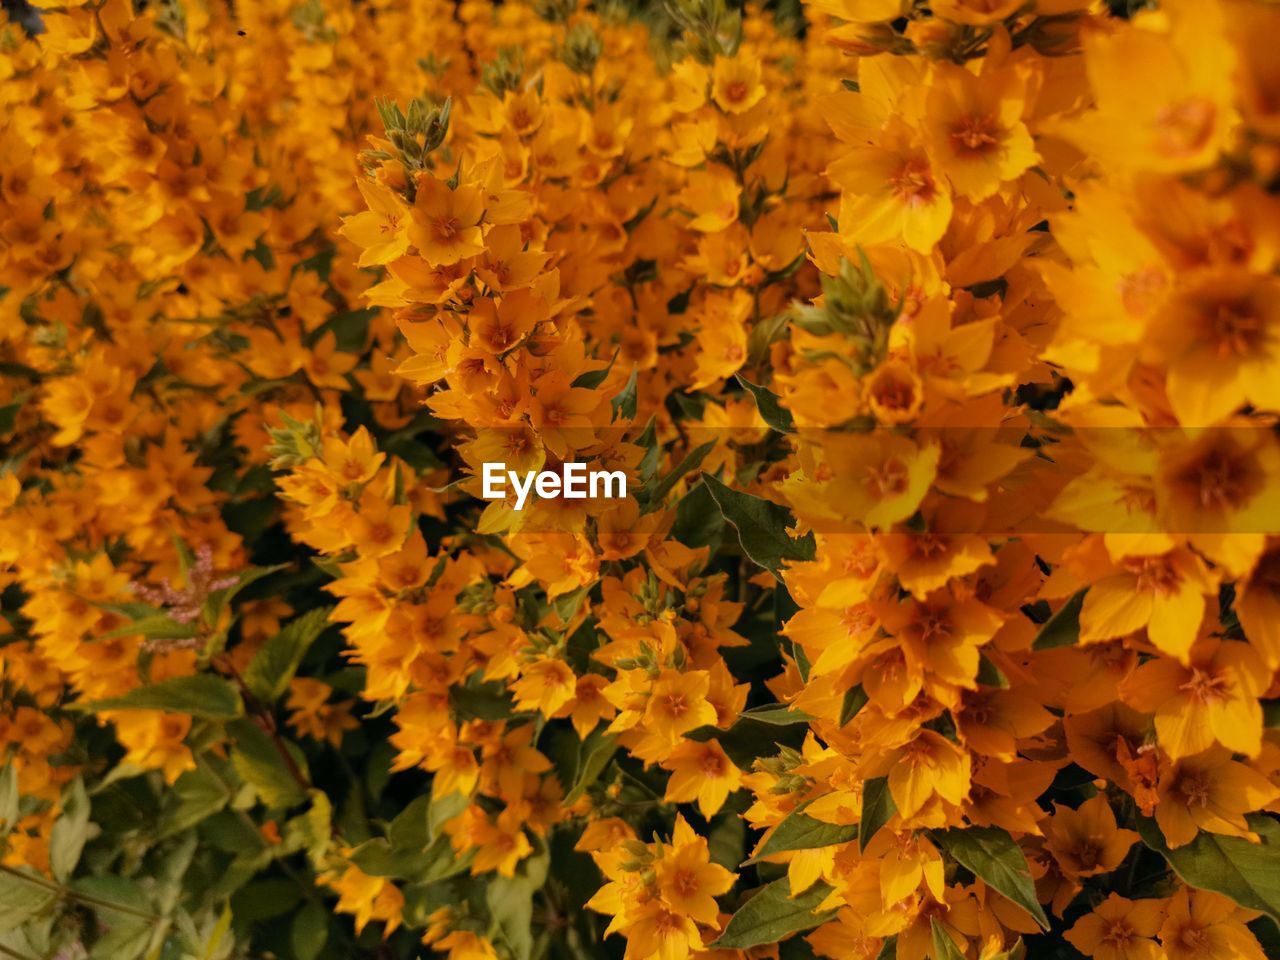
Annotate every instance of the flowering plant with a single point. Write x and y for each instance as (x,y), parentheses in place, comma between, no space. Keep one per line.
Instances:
(936,344)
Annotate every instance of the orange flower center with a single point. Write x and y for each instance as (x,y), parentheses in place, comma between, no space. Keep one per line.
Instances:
(1194,788)
(447,227)
(1155,575)
(736,91)
(1185,127)
(1118,934)
(975,134)
(889,479)
(913,182)
(1206,687)
(1217,480)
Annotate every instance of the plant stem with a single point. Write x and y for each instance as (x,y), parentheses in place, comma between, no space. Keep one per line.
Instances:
(79,897)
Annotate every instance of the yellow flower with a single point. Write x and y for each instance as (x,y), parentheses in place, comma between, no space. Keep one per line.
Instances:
(445,225)
(1210,792)
(974,129)
(1164,593)
(735,83)
(382,231)
(892,192)
(702,772)
(1213,698)
(1086,841)
(545,686)
(687,880)
(677,704)
(1119,929)
(712,196)
(1200,925)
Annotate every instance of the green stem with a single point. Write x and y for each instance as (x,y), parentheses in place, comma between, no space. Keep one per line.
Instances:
(86,899)
(13,954)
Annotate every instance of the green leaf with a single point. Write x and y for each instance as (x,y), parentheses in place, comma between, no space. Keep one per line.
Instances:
(878,809)
(311,831)
(9,416)
(698,520)
(219,600)
(990,854)
(777,715)
(799,831)
(257,760)
(510,902)
(657,492)
(309,931)
(8,797)
(762,527)
(273,666)
(202,695)
(773,914)
(771,411)
(442,810)
(127,936)
(596,752)
(855,698)
(989,675)
(70,831)
(624,404)
(1063,628)
(944,948)
(22,900)
(763,335)
(197,795)
(593,378)
(1232,866)
(158,627)
(485,702)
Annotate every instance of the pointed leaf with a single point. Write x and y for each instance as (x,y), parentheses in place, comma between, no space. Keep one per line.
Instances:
(772,914)
(202,695)
(762,527)
(990,854)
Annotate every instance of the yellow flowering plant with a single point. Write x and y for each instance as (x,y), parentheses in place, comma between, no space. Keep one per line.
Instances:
(925,352)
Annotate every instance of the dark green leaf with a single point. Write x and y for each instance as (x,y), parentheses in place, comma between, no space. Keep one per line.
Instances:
(273,666)
(624,404)
(656,492)
(202,695)
(878,809)
(771,411)
(197,795)
(699,522)
(772,914)
(309,931)
(1232,866)
(1063,628)
(776,714)
(855,698)
(593,378)
(989,674)
(487,702)
(597,750)
(990,854)
(799,831)
(762,527)
(944,948)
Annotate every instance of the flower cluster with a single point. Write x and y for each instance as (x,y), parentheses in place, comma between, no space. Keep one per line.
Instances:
(937,343)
